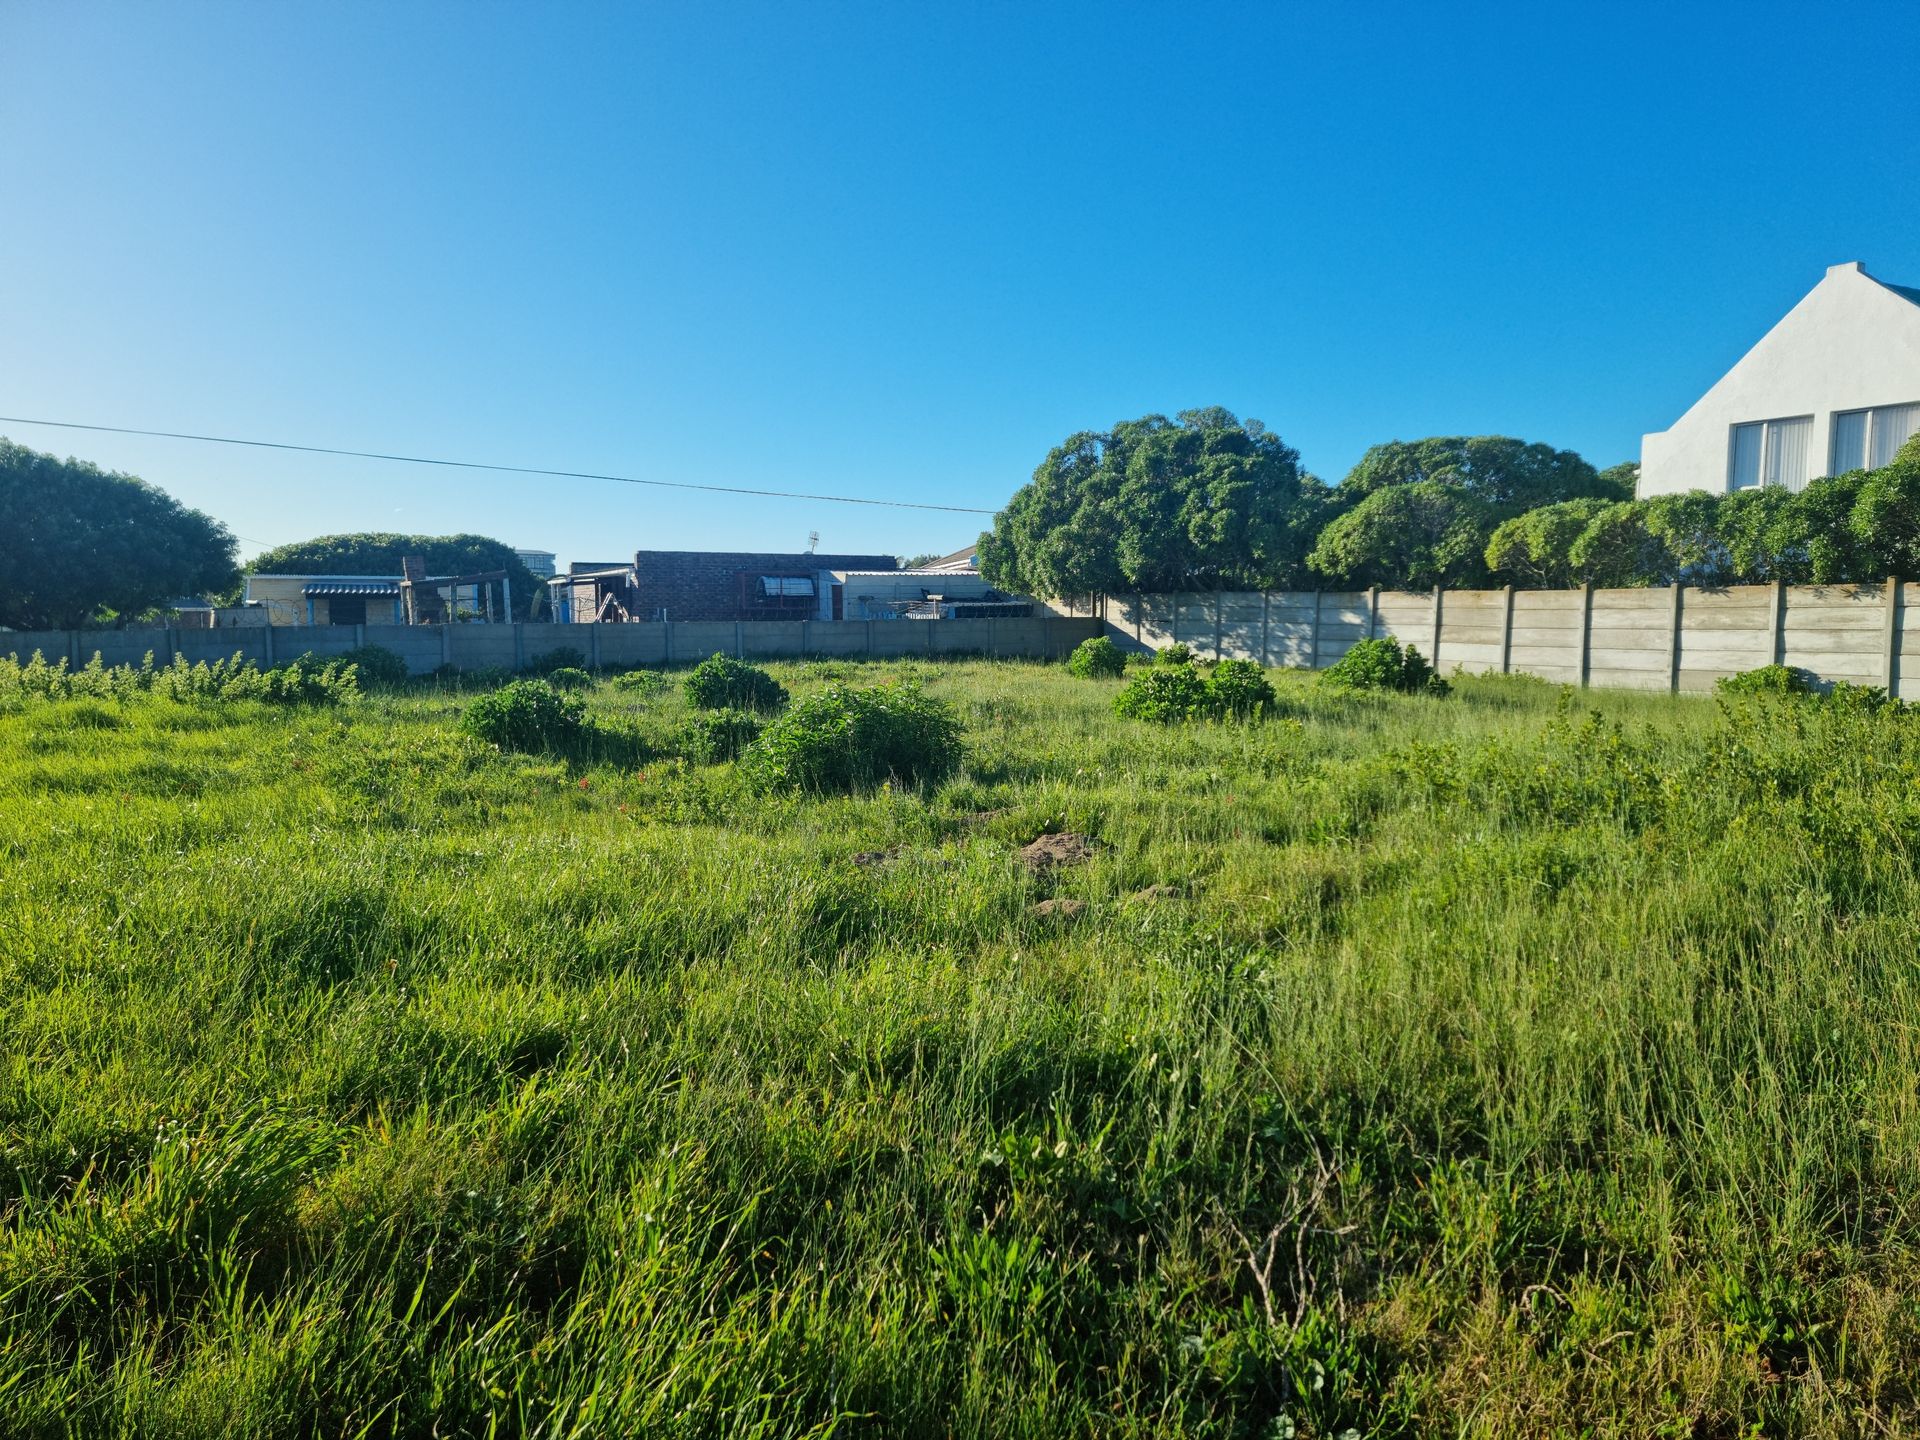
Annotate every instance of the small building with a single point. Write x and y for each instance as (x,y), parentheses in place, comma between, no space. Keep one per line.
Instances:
(1835,386)
(591,591)
(927,593)
(709,585)
(327,599)
(412,597)
(967,559)
(540,562)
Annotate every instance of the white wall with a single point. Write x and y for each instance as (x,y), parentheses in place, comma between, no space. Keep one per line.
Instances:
(1850,344)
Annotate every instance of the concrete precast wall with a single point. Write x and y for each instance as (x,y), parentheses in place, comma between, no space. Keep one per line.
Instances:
(1675,638)
(610,647)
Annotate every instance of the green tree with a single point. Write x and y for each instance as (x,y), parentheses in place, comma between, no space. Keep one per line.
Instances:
(1535,548)
(1199,501)
(381,554)
(1408,537)
(1621,482)
(1619,549)
(80,545)
(1764,535)
(1506,474)
(1688,531)
(1886,518)
(1823,515)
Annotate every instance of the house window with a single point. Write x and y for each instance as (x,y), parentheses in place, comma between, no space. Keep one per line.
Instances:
(347,610)
(1770,452)
(773,585)
(1868,439)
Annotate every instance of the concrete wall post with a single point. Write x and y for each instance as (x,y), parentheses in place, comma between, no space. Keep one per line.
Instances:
(1891,665)
(1777,626)
(1676,606)
(1506,633)
(1435,655)
(1586,633)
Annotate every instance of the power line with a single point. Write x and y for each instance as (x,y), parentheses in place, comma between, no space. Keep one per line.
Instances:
(503,469)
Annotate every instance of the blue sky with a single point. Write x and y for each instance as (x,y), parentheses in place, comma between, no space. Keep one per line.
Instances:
(896,250)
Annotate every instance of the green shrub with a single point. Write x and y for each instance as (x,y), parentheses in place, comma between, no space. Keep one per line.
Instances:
(526,715)
(1769,680)
(1240,689)
(721,735)
(840,738)
(567,677)
(1845,695)
(1097,659)
(377,665)
(1166,695)
(307,681)
(561,657)
(1384,664)
(1178,653)
(641,682)
(722,683)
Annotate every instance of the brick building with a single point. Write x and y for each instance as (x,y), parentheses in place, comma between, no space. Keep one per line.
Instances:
(712,585)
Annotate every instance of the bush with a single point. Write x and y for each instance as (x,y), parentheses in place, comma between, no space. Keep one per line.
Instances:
(641,682)
(1097,659)
(1171,694)
(561,657)
(722,683)
(1384,664)
(1769,680)
(1178,653)
(526,715)
(1239,688)
(1166,694)
(568,677)
(840,738)
(721,735)
(307,681)
(377,665)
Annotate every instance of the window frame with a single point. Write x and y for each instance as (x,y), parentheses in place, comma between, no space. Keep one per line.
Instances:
(1766,452)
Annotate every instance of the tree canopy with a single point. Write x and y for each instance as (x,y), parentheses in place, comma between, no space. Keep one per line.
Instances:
(1505,474)
(79,545)
(1198,501)
(1408,537)
(380,554)
(1427,509)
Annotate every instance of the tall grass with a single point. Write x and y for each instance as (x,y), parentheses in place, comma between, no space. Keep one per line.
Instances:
(1512,1063)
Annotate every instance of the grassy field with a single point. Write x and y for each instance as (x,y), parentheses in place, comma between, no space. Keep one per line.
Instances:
(1514,1063)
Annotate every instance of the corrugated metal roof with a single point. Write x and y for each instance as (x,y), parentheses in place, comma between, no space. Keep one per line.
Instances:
(351,587)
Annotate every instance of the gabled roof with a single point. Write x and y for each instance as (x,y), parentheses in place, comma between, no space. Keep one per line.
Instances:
(1905,292)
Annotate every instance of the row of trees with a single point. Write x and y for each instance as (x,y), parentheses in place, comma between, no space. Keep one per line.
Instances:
(1203,501)
(83,546)
(80,545)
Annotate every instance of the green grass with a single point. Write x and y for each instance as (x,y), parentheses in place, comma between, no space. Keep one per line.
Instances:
(1503,1064)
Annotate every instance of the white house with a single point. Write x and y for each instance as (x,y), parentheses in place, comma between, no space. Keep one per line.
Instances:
(1835,386)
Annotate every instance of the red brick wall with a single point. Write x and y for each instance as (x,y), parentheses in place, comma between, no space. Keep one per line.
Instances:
(705,584)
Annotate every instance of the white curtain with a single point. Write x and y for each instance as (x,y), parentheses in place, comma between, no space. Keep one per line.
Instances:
(1892,426)
(1849,442)
(1787,452)
(1746,457)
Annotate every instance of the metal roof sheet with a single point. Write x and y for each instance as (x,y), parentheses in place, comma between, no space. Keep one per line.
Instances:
(351,587)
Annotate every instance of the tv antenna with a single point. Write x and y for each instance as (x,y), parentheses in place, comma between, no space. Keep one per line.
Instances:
(813,541)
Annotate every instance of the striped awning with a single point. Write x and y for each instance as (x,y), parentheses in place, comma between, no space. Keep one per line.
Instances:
(352,587)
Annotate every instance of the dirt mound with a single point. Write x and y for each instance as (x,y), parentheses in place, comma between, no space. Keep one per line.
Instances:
(1050,851)
(1062,909)
(1157,892)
